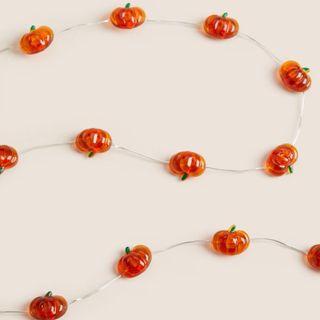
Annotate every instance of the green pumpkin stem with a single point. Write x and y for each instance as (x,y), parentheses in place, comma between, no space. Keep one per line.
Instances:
(90,154)
(127,6)
(306,69)
(33,27)
(184,177)
(225,15)
(232,228)
(290,169)
(49,294)
(127,250)
(1,170)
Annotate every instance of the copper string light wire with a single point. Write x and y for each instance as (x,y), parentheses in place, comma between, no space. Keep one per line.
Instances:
(205,243)
(244,36)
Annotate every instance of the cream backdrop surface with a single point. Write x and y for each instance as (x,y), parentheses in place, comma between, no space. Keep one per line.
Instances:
(158,89)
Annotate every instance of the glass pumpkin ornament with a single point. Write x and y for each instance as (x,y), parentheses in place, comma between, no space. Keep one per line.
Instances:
(48,307)
(37,40)
(281,160)
(230,242)
(134,262)
(8,158)
(128,17)
(92,141)
(293,77)
(221,27)
(313,257)
(187,163)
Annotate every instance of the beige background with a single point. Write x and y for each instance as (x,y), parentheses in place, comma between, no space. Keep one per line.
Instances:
(158,89)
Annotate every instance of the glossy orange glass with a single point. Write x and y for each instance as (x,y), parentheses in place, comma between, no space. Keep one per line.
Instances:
(48,307)
(221,27)
(8,158)
(230,242)
(92,141)
(187,163)
(294,77)
(281,160)
(135,262)
(36,40)
(128,17)
(313,257)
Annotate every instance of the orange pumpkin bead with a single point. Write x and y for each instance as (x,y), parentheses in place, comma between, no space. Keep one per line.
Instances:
(313,257)
(92,141)
(128,17)
(8,158)
(281,160)
(36,40)
(187,163)
(221,27)
(135,261)
(230,242)
(48,307)
(294,77)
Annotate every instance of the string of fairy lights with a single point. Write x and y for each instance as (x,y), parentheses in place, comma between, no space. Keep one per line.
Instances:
(184,164)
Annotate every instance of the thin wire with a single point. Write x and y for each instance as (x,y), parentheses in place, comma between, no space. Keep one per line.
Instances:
(184,23)
(45,146)
(236,170)
(261,46)
(300,119)
(12,312)
(5,49)
(140,155)
(180,244)
(96,291)
(282,244)
(82,25)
